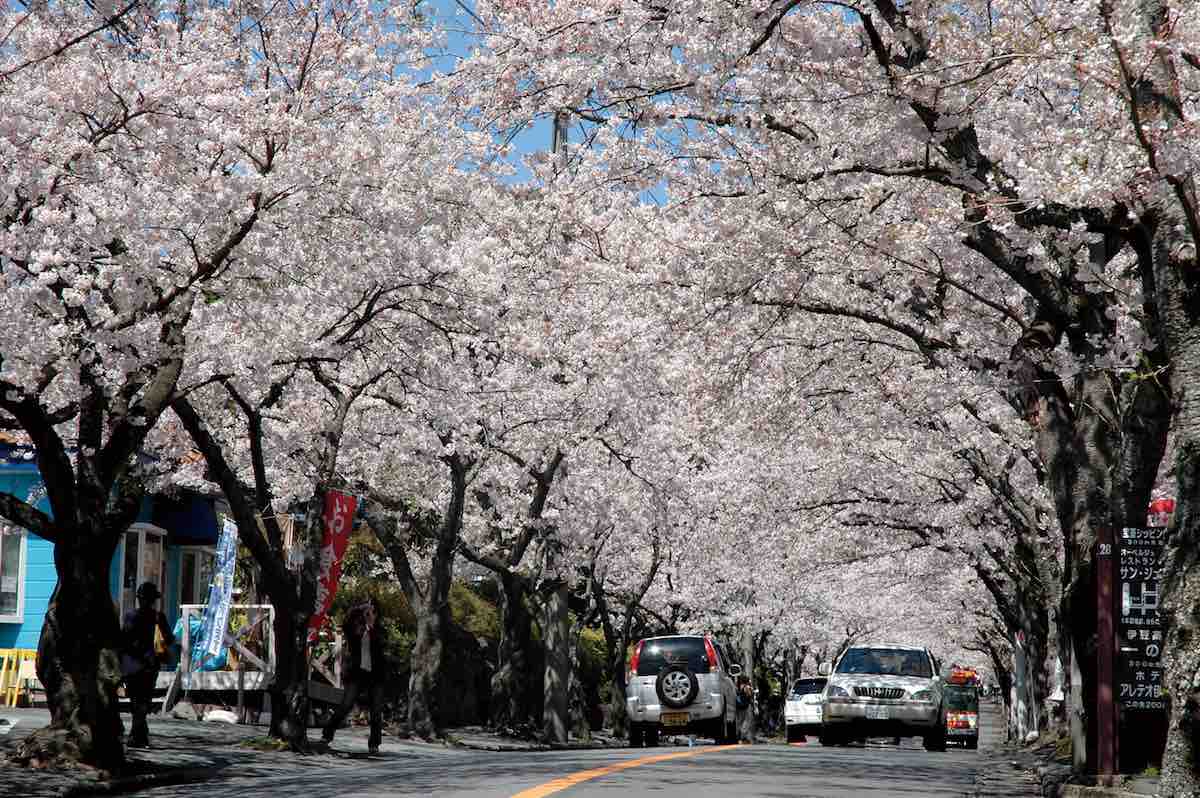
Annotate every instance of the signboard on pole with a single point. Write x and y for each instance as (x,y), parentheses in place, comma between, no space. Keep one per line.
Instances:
(339,520)
(1140,628)
(220,592)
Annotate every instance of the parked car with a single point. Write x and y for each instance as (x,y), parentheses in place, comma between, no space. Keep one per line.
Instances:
(802,712)
(681,684)
(886,690)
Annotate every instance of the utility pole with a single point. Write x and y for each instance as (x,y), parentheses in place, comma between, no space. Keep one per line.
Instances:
(557,637)
(558,139)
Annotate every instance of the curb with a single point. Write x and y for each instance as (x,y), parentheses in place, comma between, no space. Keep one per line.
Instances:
(1084,791)
(142,781)
(528,747)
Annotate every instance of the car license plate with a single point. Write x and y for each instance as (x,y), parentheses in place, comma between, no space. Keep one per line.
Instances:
(674,718)
(876,712)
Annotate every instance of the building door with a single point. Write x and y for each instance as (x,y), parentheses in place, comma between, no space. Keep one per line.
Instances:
(142,561)
(195,574)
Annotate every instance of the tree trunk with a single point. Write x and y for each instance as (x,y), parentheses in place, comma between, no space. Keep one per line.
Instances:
(433,622)
(790,673)
(1004,683)
(511,705)
(78,660)
(289,690)
(433,607)
(577,704)
(614,658)
(1181,589)
(424,681)
(556,637)
(618,711)
(1030,683)
(1077,638)
(747,725)
(578,708)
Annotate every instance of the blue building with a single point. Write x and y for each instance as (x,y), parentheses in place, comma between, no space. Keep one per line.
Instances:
(172,543)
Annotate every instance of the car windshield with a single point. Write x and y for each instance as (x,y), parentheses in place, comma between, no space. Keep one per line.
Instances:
(961,698)
(658,654)
(807,687)
(885,662)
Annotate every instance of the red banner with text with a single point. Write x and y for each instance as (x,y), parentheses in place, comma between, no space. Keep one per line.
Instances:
(339,520)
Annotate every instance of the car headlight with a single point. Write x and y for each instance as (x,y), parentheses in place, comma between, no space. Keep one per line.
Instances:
(921,695)
(838,692)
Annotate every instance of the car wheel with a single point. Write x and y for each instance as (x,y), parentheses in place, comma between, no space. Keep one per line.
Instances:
(731,733)
(828,738)
(935,741)
(636,738)
(792,736)
(676,686)
(973,744)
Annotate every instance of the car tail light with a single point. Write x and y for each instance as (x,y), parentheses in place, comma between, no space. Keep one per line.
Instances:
(633,658)
(711,651)
(961,720)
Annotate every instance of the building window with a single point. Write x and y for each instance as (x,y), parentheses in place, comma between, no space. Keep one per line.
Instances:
(12,574)
(142,561)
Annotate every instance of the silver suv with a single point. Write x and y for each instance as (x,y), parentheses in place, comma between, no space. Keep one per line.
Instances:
(681,684)
(884,690)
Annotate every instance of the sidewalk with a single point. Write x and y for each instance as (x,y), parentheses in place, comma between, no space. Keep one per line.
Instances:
(184,751)
(1053,775)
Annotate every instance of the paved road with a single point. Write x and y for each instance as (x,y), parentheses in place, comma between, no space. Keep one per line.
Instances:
(878,770)
(761,770)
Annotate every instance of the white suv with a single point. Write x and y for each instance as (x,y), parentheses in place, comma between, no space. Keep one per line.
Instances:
(680,684)
(884,690)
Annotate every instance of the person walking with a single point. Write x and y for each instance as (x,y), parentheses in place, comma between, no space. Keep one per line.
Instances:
(140,658)
(363,670)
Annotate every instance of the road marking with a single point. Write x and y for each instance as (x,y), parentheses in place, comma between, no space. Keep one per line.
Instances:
(563,783)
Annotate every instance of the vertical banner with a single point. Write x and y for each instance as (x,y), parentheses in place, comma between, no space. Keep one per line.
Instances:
(339,520)
(220,592)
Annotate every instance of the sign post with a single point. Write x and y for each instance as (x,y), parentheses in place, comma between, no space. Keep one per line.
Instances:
(1106,709)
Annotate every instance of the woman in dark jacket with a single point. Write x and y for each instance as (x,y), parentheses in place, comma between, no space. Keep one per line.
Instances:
(140,659)
(363,670)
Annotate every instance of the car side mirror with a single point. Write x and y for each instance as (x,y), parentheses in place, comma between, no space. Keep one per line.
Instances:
(823,669)
(735,670)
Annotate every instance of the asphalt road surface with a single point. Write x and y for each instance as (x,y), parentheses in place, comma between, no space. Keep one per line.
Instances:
(878,769)
(759,770)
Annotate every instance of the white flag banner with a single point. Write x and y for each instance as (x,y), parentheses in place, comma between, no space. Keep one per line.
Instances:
(220,592)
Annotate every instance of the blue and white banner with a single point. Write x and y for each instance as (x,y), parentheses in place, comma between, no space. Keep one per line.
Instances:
(220,592)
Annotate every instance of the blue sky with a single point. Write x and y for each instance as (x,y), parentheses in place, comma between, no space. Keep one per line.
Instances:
(455,15)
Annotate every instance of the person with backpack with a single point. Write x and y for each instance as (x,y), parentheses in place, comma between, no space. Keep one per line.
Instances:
(145,641)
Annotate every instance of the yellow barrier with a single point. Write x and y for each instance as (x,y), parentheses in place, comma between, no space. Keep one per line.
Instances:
(10,672)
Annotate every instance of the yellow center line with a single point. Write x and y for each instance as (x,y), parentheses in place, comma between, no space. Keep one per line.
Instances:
(563,783)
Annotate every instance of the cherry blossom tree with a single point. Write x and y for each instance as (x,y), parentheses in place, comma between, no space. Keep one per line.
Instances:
(905,165)
(157,163)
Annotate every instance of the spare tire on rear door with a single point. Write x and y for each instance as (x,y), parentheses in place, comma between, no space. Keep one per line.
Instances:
(676,686)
